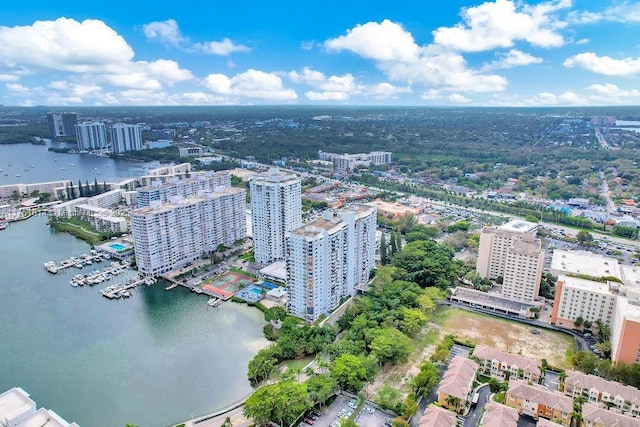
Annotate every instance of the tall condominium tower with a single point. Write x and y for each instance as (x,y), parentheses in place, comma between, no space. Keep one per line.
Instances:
(91,136)
(513,252)
(62,124)
(163,192)
(168,236)
(276,207)
(327,258)
(125,137)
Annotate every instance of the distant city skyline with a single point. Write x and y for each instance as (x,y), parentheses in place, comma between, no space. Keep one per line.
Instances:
(474,53)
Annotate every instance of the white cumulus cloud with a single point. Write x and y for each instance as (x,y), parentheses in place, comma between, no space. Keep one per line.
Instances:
(513,58)
(64,44)
(385,41)
(604,64)
(17,88)
(164,31)
(458,99)
(169,32)
(250,84)
(608,93)
(223,48)
(8,78)
(625,12)
(566,98)
(396,54)
(326,96)
(501,23)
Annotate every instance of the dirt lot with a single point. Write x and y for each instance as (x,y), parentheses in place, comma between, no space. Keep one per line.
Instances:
(479,329)
(505,335)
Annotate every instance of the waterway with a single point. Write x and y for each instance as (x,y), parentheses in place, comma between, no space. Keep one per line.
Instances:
(154,359)
(35,163)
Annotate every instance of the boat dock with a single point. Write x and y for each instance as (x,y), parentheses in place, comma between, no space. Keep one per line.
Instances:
(77,262)
(99,276)
(122,291)
(214,300)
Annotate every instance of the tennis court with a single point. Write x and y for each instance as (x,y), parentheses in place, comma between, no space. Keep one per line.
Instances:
(227,285)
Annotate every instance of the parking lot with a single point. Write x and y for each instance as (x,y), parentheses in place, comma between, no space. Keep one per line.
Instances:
(344,407)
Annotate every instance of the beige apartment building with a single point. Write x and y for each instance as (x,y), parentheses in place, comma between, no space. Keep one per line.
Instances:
(513,252)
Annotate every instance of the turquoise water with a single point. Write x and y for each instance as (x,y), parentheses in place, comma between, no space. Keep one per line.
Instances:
(118,247)
(154,359)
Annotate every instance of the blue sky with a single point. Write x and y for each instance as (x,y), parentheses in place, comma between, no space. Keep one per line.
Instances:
(428,52)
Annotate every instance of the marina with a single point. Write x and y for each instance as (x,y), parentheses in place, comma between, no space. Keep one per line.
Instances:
(122,290)
(77,262)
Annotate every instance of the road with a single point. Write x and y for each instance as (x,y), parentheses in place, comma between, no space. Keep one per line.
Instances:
(602,140)
(604,190)
(474,416)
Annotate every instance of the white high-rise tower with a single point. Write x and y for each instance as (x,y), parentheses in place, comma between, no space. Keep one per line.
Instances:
(328,258)
(276,207)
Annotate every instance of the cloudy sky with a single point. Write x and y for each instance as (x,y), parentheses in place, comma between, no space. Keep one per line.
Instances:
(374,52)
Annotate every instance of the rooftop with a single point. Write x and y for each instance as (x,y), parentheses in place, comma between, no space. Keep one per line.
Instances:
(497,415)
(584,262)
(540,395)
(527,246)
(487,353)
(458,379)
(581,380)
(585,285)
(278,269)
(519,226)
(630,308)
(435,416)
(276,176)
(595,415)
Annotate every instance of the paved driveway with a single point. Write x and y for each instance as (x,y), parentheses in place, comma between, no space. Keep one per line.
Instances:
(475,414)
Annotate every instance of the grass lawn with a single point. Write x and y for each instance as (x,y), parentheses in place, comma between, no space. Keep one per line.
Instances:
(506,335)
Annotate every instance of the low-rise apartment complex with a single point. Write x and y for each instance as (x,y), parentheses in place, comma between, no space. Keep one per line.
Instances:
(538,402)
(503,365)
(619,397)
(457,383)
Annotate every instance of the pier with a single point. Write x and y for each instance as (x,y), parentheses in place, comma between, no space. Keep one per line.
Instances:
(78,262)
(214,300)
(120,291)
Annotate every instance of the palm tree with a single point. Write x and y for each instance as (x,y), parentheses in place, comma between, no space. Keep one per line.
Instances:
(453,401)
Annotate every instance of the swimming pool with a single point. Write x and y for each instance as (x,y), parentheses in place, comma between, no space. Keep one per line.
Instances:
(256,291)
(118,247)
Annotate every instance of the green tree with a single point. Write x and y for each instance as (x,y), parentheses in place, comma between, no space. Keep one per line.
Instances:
(584,237)
(578,322)
(409,407)
(227,422)
(348,423)
(321,387)
(495,385)
(427,378)
(398,241)
(282,403)
(262,365)
(275,313)
(350,371)
(390,345)
(394,243)
(384,257)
